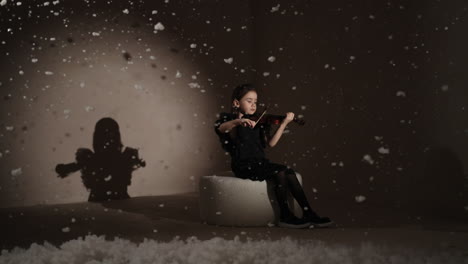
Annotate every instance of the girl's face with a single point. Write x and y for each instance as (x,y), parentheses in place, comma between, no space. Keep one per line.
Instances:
(248,103)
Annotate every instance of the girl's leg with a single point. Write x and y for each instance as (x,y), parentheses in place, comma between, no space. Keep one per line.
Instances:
(281,190)
(298,193)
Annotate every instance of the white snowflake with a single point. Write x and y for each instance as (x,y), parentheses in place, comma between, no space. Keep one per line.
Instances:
(194,85)
(360,198)
(444,88)
(66,229)
(193,45)
(275,8)
(401,93)
(368,158)
(271,59)
(89,108)
(228,60)
(16,172)
(125,11)
(383,150)
(3,2)
(158,26)
(178,74)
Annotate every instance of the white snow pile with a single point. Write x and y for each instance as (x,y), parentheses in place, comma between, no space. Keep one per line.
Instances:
(94,249)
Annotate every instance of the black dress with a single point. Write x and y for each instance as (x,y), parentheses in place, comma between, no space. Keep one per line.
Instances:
(246,146)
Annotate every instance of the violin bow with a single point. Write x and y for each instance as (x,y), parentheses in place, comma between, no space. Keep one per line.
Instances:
(260,117)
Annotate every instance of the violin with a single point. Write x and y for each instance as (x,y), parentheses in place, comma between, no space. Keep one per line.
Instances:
(271,119)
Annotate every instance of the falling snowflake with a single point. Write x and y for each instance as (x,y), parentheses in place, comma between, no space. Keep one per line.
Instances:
(194,85)
(161,205)
(275,8)
(271,59)
(444,88)
(228,60)
(89,108)
(193,45)
(158,26)
(66,229)
(34,60)
(383,150)
(360,198)
(9,128)
(178,74)
(96,34)
(266,74)
(48,73)
(16,172)
(218,213)
(3,2)
(401,93)
(125,11)
(368,158)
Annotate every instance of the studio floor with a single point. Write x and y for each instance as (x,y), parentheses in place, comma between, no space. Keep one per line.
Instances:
(162,218)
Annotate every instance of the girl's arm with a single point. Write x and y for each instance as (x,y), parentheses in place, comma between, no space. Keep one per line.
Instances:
(229,125)
(276,137)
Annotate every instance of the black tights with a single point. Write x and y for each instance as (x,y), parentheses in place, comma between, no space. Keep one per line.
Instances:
(287,180)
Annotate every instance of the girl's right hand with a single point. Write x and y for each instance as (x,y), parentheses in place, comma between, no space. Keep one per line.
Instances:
(247,122)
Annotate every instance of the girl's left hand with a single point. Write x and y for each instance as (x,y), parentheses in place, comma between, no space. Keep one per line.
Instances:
(289,118)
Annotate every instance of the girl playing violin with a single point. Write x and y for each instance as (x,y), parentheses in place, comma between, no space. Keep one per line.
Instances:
(245,140)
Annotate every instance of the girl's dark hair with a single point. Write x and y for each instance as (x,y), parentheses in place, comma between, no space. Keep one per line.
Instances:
(239,92)
(106,136)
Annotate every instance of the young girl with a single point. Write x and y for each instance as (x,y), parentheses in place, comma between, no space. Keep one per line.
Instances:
(245,141)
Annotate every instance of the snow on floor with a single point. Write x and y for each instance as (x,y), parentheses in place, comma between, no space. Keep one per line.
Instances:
(96,249)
